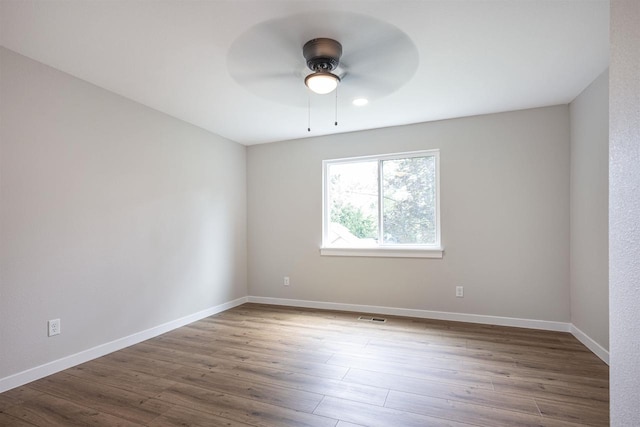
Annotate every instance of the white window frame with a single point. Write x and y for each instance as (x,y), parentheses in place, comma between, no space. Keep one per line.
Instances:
(382,250)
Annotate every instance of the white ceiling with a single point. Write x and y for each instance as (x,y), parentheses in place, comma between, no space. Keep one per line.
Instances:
(474,57)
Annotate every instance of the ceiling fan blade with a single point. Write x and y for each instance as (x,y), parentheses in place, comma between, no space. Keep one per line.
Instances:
(377,48)
(267,59)
(264,54)
(380,65)
(251,77)
(372,85)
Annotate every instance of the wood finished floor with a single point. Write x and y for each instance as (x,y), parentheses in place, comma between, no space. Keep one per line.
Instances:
(258,365)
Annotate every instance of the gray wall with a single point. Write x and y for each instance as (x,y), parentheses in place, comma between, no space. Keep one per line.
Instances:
(624,212)
(589,211)
(114,217)
(505,219)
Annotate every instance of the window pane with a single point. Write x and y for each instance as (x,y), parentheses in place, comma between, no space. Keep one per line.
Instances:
(409,201)
(353,204)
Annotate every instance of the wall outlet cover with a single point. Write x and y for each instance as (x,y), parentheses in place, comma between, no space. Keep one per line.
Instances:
(54,327)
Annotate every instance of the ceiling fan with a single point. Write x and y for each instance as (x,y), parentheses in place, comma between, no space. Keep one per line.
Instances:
(323,56)
(368,57)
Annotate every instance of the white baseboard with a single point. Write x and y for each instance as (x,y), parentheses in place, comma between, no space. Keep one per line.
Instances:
(596,348)
(41,371)
(424,314)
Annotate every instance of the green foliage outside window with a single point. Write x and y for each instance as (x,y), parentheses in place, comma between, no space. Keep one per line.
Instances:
(358,224)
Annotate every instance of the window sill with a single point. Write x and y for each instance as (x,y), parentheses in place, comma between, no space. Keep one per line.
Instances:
(386,252)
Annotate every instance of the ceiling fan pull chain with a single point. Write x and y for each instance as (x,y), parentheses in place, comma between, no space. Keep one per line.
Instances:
(308,112)
(336,109)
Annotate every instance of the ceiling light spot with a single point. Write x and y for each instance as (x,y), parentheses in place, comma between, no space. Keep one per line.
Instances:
(359,102)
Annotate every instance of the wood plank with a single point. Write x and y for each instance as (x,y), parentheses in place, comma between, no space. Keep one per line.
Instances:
(132,362)
(436,349)
(464,412)
(131,406)
(569,394)
(303,354)
(181,416)
(551,377)
(285,363)
(240,409)
(581,369)
(162,353)
(583,414)
(482,363)
(10,421)
(446,391)
(17,396)
(451,376)
(376,416)
(268,393)
(120,377)
(266,375)
(48,410)
(523,350)
(312,383)
(273,360)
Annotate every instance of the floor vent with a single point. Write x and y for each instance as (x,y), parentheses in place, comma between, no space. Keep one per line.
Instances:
(372,319)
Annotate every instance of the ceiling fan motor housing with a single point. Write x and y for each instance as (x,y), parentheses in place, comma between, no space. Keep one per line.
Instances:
(322,54)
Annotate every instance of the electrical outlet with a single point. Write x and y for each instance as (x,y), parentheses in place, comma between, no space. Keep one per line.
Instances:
(286,280)
(54,327)
(459,292)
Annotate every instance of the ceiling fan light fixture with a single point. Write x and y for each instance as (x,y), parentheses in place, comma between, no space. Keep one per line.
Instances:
(322,82)
(322,56)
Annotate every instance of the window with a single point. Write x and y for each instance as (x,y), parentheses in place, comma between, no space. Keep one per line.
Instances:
(382,206)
